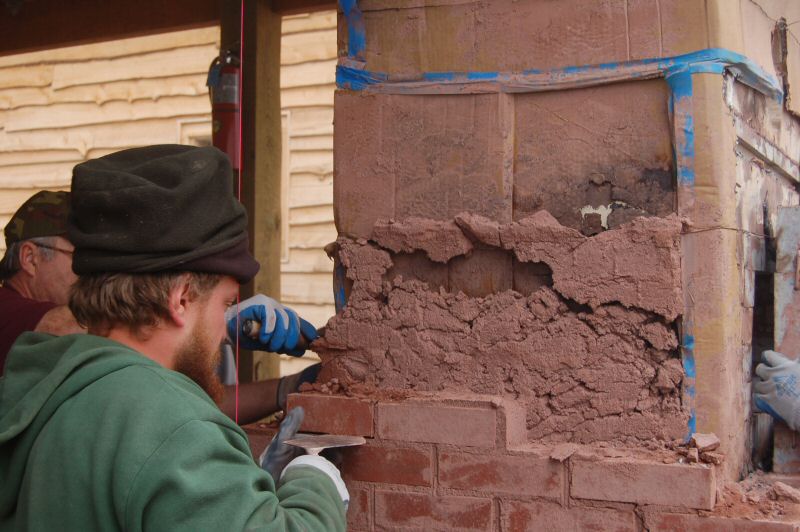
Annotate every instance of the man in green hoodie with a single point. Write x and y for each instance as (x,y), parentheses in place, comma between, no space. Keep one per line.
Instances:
(117,429)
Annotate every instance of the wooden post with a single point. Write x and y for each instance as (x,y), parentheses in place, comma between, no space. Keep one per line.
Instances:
(261,159)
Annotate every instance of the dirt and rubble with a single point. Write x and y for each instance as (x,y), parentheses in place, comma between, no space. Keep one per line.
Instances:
(593,357)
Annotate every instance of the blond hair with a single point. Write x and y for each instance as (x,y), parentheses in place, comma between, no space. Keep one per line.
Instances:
(103,301)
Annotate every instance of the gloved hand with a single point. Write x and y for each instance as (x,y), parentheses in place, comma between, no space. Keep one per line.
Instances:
(777,390)
(291,383)
(277,455)
(324,465)
(280,327)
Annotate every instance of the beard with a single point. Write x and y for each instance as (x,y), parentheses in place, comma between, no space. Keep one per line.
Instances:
(198,359)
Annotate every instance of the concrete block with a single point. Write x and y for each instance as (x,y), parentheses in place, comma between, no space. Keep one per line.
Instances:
(603,150)
(411,466)
(419,511)
(531,474)
(363,183)
(482,272)
(642,482)
(333,414)
(519,516)
(416,421)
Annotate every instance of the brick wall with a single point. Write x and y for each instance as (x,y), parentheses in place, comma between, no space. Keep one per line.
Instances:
(461,463)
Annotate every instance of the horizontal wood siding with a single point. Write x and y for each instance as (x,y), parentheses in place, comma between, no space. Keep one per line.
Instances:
(60,107)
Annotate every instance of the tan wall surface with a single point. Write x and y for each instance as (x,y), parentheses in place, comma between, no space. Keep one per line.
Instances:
(60,107)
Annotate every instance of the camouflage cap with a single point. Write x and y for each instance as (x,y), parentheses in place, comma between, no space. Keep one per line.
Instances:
(43,214)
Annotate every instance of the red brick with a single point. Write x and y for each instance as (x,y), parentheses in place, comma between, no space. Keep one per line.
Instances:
(529,474)
(432,423)
(642,482)
(482,272)
(334,414)
(360,509)
(390,465)
(697,523)
(523,516)
(427,512)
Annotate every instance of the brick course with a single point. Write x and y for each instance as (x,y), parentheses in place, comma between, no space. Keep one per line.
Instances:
(434,423)
(389,465)
(640,482)
(334,414)
(426,512)
(519,516)
(528,474)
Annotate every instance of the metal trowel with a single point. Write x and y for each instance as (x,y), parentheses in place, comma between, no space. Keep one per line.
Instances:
(316,443)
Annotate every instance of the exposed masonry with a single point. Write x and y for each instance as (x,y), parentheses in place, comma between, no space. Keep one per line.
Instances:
(594,357)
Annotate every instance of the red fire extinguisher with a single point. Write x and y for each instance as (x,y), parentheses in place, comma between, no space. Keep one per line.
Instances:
(223,86)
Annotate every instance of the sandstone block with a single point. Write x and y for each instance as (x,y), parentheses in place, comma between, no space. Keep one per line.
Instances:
(363,185)
(482,272)
(620,162)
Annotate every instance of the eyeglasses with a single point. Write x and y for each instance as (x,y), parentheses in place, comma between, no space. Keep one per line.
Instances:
(69,252)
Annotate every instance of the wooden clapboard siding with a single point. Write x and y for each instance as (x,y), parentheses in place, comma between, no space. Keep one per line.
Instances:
(60,107)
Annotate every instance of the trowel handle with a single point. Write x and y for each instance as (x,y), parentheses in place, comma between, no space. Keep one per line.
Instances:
(250,329)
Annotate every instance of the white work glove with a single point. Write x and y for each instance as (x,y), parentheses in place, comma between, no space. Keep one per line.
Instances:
(324,465)
(279,326)
(777,388)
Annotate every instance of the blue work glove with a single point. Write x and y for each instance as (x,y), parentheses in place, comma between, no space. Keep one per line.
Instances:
(279,326)
(277,455)
(777,388)
(291,383)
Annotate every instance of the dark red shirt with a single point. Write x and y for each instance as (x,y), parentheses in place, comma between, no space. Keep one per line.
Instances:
(17,315)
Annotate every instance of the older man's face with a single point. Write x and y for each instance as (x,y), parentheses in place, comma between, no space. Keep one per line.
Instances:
(54,277)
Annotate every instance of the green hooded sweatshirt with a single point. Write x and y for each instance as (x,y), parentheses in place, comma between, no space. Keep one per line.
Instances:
(95,436)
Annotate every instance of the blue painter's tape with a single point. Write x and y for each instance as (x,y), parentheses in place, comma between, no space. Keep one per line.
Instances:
(356,80)
(690,371)
(439,76)
(356,31)
(692,426)
(677,70)
(482,75)
(680,83)
(339,295)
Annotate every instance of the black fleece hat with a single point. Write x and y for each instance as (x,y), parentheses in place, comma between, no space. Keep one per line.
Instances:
(159,208)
